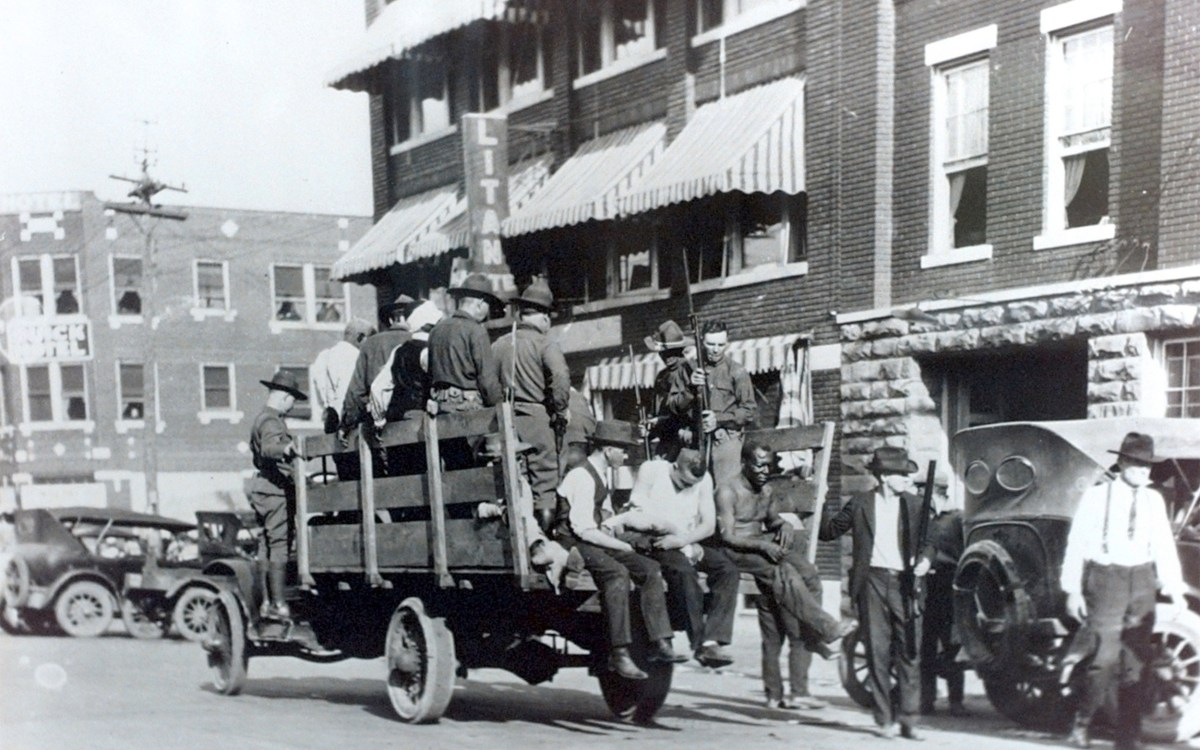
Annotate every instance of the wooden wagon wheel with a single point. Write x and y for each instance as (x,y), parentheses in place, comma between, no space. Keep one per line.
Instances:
(420,663)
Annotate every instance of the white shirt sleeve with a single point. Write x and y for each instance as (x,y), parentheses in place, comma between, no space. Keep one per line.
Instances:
(578,489)
(1162,546)
(1084,537)
(320,376)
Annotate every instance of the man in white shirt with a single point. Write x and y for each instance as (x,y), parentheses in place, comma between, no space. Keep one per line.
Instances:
(584,502)
(1120,551)
(332,370)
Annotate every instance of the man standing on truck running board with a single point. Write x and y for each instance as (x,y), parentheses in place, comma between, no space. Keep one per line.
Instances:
(1120,550)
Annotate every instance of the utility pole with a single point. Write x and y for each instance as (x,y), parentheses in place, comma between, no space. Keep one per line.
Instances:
(144,190)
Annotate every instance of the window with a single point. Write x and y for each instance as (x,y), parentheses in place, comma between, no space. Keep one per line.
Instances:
(307,295)
(330,297)
(1079,129)
(1183,377)
(52,280)
(741,233)
(211,285)
(302,409)
(127,285)
(518,69)
(131,391)
(420,98)
(960,145)
(713,13)
(56,393)
(615,30)
(217,388)
(634,254)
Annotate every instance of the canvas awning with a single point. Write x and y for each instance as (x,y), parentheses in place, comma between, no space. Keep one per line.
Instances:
(764,354)
(410,220)
(590,184)
(752,142)
(403,25)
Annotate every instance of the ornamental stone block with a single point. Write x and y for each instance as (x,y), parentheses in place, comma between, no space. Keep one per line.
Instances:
(1007,335)
(1068,306)
(1023,312)
(887,406)
(1178,316)
(884,328)
(856,352)
(885,347)
(1138,319)
(1157,294)
(1102,324)
(1117,409)
(977,317)
(1099,393)
(851,332)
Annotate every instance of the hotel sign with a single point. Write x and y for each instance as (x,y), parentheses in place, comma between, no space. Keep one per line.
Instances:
(33,341)
(485,164)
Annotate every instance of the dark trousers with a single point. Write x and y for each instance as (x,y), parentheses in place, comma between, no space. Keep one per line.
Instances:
(274,513)
(774,631)
(883,618)
(938,644)
(532,423)
(789,584)
(685,598)
(1120,603)
(613,570)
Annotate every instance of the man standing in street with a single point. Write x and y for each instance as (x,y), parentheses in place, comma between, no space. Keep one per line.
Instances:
(730,399)
(939,646)
(373,354)
(533,369)
(272,489)
(584,504)
(462,367)
(673,503)
(886,565)
(332,371)
(1120,552)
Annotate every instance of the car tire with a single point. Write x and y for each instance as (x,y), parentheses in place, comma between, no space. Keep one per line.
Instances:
(84,609)
(1174,711)
(191,613)
(16,582)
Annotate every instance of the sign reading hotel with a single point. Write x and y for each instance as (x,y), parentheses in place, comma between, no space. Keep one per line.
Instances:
(485,166)
(33,341)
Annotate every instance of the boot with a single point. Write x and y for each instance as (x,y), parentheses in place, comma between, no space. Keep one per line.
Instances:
(621,662)
(1079,733)
(661,652)
(277,590)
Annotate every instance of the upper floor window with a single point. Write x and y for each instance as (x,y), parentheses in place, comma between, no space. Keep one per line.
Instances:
(211,285)
(749,232)
(421,95)
(131,391)
(713,13)
(52,280)
(306,294)
(55,393)
(523,70)
(635,258)
(1182,360)
(127,285)
(216,388)
(960,147)
(615,30)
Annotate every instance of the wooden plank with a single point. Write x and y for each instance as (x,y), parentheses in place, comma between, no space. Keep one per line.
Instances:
(464,485)
(315,446)
(402,432)
(796,438)
(518,502)
(437,503)
(474,543)
(465,424)
(822,459)
(336,545)
(335,496)
(301,525)
(366,489)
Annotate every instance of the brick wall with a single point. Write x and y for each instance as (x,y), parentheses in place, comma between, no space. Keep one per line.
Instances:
(621,101)
(754,56)
(1179,236)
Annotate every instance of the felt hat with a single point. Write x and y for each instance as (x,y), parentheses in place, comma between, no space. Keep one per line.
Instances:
(400,300)
(668,336)
(1139,447)
(611,432)
(285,381)
(537,295)
(476,285)
(891,460)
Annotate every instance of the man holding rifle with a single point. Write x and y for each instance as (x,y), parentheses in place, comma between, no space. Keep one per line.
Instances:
(731,406)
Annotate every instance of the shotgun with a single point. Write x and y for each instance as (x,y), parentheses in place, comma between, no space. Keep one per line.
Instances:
(915,585)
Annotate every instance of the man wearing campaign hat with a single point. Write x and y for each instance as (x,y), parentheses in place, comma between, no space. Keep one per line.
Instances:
(534,371)
(373,355)
(886,565)
(1120,552)
(673,422)
(272,488)
(462,367)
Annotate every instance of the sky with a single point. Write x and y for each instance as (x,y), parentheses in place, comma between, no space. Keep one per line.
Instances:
(235,91)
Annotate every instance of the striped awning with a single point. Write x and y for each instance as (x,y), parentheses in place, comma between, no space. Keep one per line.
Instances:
(405,24)
(524,181)
(590,184)
(765,354)
(385,244)
(752,142)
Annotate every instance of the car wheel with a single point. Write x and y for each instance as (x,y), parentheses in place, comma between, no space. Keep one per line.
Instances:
(191,613)
(141,623)
(420,663)
(16,582)
(84,609)
(1173,713)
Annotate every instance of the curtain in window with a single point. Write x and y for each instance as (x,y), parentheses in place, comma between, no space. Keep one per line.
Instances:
(796,404)
(1072,176)
(957,180)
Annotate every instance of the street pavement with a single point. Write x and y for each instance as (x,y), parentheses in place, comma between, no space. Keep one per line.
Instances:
(116,692)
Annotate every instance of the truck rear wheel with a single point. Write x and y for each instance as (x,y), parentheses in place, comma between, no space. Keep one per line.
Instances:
(420,663)
(1042,704)
(1173,714)
(637,700)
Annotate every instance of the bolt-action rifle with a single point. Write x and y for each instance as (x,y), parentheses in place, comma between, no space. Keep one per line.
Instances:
(703,443)
(915,585)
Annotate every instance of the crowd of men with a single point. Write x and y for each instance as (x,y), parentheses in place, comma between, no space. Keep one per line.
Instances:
(701,503)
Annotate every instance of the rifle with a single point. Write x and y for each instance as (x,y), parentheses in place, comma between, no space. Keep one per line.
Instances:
(702,441)
(637,392)
(915,585)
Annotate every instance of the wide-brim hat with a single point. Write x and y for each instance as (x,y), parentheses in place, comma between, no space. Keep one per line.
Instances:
(476,285)
(611,432)
(285,381)
(668,336)
(891,460)
(400,300)
(536,295)
(1138,446)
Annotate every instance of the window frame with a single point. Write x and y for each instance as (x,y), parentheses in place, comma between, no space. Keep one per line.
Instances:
(308,318)
(610,63)
(58,406)
(532,91)
(741,20)
(48,282)
(124,423)
(199,311)
(403,85)
(230,413)
(140,289)
(1184,388)
(614,270)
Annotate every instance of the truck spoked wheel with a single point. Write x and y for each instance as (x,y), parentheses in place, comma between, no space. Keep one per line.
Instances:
(226,645)
(637,700)
(1173,696)
(420,663)
(1042,704)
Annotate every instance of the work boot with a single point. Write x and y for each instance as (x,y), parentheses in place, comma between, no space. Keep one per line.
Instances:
(621,662)
(277,591)
(661,652)
(1079,734)
(712,655)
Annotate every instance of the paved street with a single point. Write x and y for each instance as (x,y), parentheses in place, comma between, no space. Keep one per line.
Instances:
(116,692)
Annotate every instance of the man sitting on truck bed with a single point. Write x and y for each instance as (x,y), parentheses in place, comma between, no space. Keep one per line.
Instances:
(583,503)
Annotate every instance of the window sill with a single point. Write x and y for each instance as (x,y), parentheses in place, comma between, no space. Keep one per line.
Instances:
(518,103)
(27,428)
(201,313)
(422,139)
(618,67)
(1076,236)
(122,426)
(956,256)
(625,300)
(115,321)
(749,20)
(232,417)
(279,326)
(769,272)
(100,453)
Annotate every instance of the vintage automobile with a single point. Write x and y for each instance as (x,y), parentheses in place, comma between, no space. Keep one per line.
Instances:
(1021,483)
(70,566)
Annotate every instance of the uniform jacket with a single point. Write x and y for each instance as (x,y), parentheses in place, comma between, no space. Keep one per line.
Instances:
(460,354)
(730,394)
(268,439)
(541,369)
(373,354)
(858,515)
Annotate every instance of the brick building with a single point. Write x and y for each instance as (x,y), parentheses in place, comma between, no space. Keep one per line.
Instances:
(237,294)
(954,213)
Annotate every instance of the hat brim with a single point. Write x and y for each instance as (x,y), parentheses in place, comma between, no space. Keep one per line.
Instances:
(1142,459)
(910,467)
(299,395)
(523,302)
(655,345)
(487,296)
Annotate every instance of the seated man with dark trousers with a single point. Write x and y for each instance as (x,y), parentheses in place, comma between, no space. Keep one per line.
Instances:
(583,503)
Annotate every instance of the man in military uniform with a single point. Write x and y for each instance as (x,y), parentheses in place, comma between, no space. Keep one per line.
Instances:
(673,423)
(533,369)
(373,354)
(272,489)
(462,366)
(730,400)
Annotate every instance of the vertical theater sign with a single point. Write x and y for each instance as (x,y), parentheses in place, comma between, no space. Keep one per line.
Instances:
(485,166)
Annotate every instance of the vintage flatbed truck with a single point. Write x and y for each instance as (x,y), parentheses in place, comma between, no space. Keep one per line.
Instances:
(401,567)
